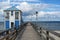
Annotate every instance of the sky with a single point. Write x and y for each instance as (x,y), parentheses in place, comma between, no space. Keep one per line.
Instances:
(48,10)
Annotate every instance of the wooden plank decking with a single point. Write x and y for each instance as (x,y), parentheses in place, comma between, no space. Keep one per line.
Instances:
(29,34)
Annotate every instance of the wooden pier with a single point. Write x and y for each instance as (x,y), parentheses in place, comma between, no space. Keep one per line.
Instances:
(29,34)
(29,31)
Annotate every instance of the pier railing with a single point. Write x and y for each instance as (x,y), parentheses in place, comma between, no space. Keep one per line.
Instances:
(12,33)
(47,34)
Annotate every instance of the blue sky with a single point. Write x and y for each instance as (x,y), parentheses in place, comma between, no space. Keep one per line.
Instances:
(51,1)
(43,1)
(48,10)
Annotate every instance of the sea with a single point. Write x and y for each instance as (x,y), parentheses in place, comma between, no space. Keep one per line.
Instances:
(49,25)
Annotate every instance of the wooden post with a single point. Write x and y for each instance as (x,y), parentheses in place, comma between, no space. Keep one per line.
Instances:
(40,31)
(16,31)
(47,36)
(7,32)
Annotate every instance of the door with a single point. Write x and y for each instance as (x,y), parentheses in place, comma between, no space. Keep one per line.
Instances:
(12,24)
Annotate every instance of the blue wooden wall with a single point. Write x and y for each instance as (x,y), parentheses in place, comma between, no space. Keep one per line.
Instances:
(7,24)
(16,23)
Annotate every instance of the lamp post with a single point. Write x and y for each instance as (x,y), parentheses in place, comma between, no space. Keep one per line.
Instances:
(36,16)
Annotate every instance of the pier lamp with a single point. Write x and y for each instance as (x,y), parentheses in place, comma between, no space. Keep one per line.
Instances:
(36,15)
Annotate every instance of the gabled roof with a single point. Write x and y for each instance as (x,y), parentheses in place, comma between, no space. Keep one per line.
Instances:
(12,8)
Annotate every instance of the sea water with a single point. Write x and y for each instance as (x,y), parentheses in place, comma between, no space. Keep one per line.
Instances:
(50,25)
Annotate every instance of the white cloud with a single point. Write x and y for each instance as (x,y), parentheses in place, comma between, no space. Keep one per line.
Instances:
(32,8)
(42,13)
(29,18)
(47,16)
(4,5)
(24,7)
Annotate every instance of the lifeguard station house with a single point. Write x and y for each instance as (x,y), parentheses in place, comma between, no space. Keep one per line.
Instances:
(12,17)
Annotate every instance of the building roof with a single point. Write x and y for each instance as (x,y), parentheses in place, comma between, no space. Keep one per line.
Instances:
(12,8)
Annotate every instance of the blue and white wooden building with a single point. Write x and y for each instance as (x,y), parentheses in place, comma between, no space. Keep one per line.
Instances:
(12,17)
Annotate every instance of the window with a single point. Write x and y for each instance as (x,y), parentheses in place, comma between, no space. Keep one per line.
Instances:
(7,15)
(11,13)
(16,15)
